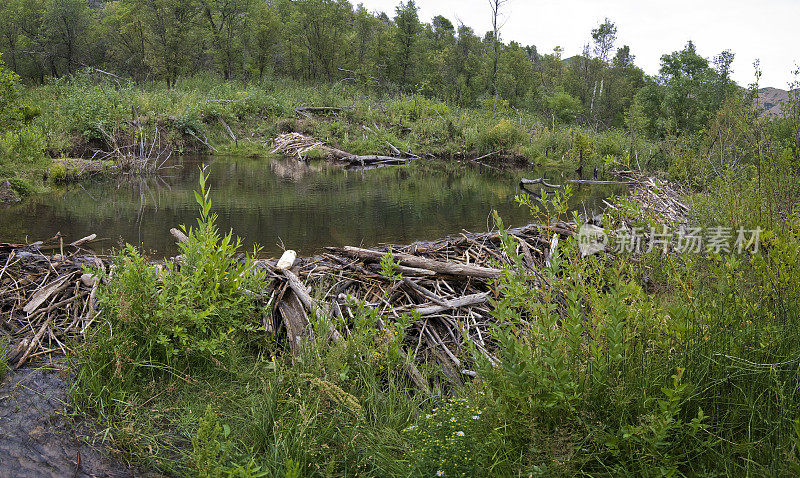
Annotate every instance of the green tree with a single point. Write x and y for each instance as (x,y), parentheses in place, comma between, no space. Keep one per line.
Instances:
(495,6)
(171,27)
(407,28)
(319,27)
(65,27)
(126,37)
(604,37)
(689,91)
(225,20)
(263,36)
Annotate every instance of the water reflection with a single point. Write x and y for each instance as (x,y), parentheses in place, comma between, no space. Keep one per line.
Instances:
(303,206)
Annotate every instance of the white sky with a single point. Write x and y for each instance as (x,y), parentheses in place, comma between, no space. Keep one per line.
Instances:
(764,29)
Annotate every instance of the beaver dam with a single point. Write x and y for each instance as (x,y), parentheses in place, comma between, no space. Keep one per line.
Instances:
(48,300)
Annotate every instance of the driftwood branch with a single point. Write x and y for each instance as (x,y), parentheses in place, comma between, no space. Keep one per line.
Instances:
(543,181)
(441,267)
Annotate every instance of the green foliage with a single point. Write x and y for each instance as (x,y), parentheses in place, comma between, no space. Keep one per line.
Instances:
(22,150)
(564,107)
(504,136)
(211,446)
(389,266)
(10,108)
(179,316)
(413,108)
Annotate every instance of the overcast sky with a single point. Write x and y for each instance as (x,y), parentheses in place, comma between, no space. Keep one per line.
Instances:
(764,29)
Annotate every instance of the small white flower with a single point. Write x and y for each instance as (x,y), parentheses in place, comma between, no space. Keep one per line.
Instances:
(460,433)
(428,415)
(474,417)
(479,412)
(411,427)
(440,473)
(453,419)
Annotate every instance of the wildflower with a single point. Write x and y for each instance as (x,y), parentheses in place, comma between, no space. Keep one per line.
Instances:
(410,427)
(460,433)
(440,473)
(475,417)
(428,415)
(479,412)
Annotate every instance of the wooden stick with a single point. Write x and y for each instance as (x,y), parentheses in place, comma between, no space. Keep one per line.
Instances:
(594,181)
(473,299)
(178,235)
(441,267)
(33,343)
(541,181)
(84,240)
(309,303)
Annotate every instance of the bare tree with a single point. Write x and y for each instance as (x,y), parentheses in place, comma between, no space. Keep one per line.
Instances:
(495,5)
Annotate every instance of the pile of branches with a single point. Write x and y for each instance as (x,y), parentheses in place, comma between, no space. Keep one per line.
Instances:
(141,154)
(46,301)
(447,284)
(659,198)
(299,146)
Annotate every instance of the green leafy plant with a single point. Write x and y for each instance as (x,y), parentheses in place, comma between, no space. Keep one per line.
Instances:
(389,266)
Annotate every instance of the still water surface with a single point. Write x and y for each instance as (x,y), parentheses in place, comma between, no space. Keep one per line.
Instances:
(278,203)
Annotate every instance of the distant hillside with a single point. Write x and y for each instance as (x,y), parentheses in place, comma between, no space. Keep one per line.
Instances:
(772,99)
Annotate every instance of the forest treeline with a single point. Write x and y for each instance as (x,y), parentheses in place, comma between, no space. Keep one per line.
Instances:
(334,41)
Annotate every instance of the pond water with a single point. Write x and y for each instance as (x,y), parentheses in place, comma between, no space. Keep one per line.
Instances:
(286,203)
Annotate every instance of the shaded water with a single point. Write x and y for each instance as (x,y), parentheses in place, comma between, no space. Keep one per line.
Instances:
(273,202)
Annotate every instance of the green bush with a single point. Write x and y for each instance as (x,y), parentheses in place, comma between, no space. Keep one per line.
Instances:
(10,108)
(564,107)
(408,109)
(191,314)
(505,136)
(21,150)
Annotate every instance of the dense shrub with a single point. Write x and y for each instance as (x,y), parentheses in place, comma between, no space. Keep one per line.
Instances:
(188,315)
(503,136)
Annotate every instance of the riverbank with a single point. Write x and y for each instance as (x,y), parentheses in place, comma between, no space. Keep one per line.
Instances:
(87,117)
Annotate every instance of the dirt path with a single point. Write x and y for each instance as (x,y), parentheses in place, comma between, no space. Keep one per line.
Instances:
(36,440)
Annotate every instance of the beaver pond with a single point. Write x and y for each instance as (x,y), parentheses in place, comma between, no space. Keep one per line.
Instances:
(285,203)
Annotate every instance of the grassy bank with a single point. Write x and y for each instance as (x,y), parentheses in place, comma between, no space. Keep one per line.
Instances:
(79,115)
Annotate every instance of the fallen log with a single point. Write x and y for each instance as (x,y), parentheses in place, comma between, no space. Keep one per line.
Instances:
(83,240)
(294,319)
(178,235)
(308,302)
(305,110)
(228,129)
(446,268)
(371,159)
(543,181)
(595,181)
(467,300)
